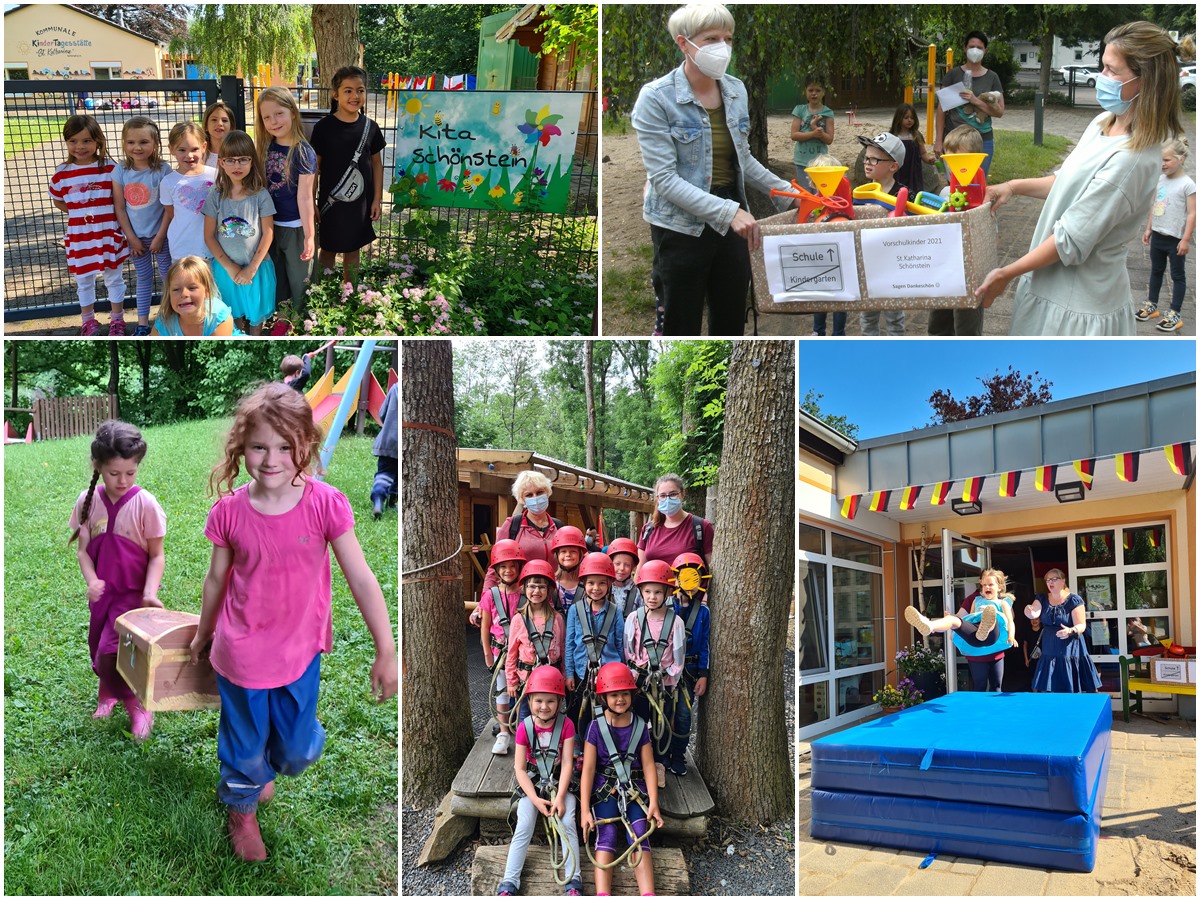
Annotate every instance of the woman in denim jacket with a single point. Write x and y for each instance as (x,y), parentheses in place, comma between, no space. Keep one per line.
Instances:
(692,127)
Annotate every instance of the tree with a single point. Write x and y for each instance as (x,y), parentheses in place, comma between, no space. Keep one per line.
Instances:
(811,404)
(1001,393)
(589,392)
(437,706)
(228,38)
(689,381)
(743,745)
(335,29)
(423,38)
(571,25)
(160,21)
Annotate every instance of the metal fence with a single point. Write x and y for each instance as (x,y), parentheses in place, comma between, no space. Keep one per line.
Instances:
(36,282)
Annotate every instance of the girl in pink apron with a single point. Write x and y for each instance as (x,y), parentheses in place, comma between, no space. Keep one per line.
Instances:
(120,531)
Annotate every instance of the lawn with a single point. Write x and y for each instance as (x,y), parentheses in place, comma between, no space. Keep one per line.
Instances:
(1017,157)
(86,811)
(24,132)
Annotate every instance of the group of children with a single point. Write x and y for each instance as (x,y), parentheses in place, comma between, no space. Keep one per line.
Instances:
(266,602)
(233,225)
(590,648)
(895,160)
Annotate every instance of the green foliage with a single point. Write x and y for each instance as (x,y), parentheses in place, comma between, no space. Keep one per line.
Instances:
(571,24)
(690,381)
(228,37)
(422,38)
(78,794)
(811,404)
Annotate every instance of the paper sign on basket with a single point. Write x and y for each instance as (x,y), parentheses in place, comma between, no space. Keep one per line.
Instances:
(811,266)
(917,261)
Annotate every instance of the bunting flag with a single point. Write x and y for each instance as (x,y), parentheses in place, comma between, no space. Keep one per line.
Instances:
(1155,537)
(971,489)
(459,83)
(879,501)
(850,506)
(1084,469)
(407,82)
(908,499)
(1008,484)
(1044,478)
(1127,466)
(1085,543)
(1127,539)
(940,491)
(1179,458)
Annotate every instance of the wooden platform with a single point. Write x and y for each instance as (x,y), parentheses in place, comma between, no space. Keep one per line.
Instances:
(537,878)
(485,784)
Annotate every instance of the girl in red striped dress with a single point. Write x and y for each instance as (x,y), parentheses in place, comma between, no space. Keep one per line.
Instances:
(82,187)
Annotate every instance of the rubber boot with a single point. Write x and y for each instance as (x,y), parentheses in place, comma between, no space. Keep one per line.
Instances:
(141,720)
(245,836)
(105,703)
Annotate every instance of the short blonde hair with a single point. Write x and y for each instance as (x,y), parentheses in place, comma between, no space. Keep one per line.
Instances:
(198,269)
(963,139)
(694,18)
(529,479)
(825,159)
(1059,572)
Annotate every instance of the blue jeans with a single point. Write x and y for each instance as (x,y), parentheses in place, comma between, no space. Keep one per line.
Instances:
(685,700)
(839,324)
(1163,250)
(989,147)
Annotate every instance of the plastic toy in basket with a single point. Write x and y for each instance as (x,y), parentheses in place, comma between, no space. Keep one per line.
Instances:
(874,191)
(823,207)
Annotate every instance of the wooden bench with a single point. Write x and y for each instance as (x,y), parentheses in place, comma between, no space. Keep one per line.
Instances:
(1138,681)
(66,417)
(537,878)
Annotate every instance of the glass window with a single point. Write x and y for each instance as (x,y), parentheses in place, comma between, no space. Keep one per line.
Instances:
(932,563)
(1145,545)
(812,636)
(857,551)
(1103,636)
(1110,677)
(1146,590)
(857,618)
(856,691)
(16,73)
(814,703)
(812,540)
(968,560)
(1099,592)
(1146,631)
(1094,549)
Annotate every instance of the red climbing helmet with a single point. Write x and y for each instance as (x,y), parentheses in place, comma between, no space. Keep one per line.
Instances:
(545,680)
(536,567)
(655,571)
(622,545)
(597,564)
(688,559)
(615,676)
(568,536)
(506,551)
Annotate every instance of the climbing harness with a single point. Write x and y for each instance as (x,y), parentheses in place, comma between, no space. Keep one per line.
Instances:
(540,641)
(618,781)
(657,694)
(540,763)
(593,645)
(501,650)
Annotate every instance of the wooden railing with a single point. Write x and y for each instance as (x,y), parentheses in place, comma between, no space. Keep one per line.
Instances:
(64,417)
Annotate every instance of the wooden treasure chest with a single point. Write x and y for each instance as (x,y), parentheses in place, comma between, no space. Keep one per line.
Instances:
(154,658)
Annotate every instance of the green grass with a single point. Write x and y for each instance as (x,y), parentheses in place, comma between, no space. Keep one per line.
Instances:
(628,287)
(24,132)
(1017,157)
(86,811)
(614,124)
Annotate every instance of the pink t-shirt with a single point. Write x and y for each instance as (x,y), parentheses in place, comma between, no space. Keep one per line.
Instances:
(520,647)
(275,616)
(666,543)
(511,601)
(140,520)
(544,735)
(673,655)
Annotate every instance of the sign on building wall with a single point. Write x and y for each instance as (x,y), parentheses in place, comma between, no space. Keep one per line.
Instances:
(486,150)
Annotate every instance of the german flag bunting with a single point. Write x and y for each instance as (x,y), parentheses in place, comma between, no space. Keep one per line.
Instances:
(879,501)
(1044,478)
(1127,466)
(1084,469)
(940,491)
(850,506)
(971,489)
(1009,482)
(1127,540)
(1156,536)
(908,499)
(1085,543)
(1179,458)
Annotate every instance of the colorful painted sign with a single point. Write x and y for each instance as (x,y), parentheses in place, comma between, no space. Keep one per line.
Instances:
(508,150)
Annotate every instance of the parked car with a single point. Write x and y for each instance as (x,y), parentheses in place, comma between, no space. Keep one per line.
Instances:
(1077,74)
(1187,87)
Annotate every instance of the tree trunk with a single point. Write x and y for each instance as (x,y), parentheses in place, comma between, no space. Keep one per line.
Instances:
(335,31)
(114,374)
(1047,52)
(742,716)
(433,683)
(589,393)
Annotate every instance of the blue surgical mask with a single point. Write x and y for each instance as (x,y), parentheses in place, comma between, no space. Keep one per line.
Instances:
(670,505)
(1108,94)
(538,503)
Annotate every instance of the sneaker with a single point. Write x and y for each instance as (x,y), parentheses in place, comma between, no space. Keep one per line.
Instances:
(116,328)
(503,744)
(1146,312)
(662,774)
(90,328)
(574,888)
(141,331)
(506,889)
(987,621)
(1170,322)
(377,506)
(677,766)
(913,617)
(268,791)
(245,836)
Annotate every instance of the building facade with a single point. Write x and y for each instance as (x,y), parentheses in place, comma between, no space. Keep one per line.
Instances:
(55,42)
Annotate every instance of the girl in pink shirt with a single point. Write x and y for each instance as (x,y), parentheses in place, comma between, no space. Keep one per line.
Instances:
(120,530)
(536,636)
(267,602)
(497,610)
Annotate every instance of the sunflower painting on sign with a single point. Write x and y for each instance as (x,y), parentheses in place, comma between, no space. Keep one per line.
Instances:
(486,149)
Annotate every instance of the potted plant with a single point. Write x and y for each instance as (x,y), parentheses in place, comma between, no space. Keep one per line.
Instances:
(894,699)
(925,667)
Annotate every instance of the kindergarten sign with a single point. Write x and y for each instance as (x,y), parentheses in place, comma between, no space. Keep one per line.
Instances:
(486,149)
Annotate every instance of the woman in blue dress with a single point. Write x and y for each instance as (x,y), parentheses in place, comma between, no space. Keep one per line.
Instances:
(1064,666)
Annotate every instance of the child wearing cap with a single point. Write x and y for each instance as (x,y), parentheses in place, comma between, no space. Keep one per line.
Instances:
(884,155)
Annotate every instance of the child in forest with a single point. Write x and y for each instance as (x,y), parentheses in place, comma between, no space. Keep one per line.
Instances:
(136,183)
(594,631)
(498,606)
(120,530)
(691,579)
(537,633)
(623,553)
(82,187)
(568,546)
(267,602)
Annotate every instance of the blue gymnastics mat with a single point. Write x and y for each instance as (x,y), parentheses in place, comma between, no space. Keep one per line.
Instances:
(1044,752)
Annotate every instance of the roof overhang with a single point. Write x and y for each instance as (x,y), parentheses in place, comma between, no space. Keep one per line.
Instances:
(494,471)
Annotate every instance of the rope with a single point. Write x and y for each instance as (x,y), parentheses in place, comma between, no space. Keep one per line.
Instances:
(436,564)
(556,833)
(635,843)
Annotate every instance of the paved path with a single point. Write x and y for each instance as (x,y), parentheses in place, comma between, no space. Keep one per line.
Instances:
(1016,222)
(1147,835)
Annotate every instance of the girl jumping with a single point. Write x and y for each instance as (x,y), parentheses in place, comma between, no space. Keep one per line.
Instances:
(267,602)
